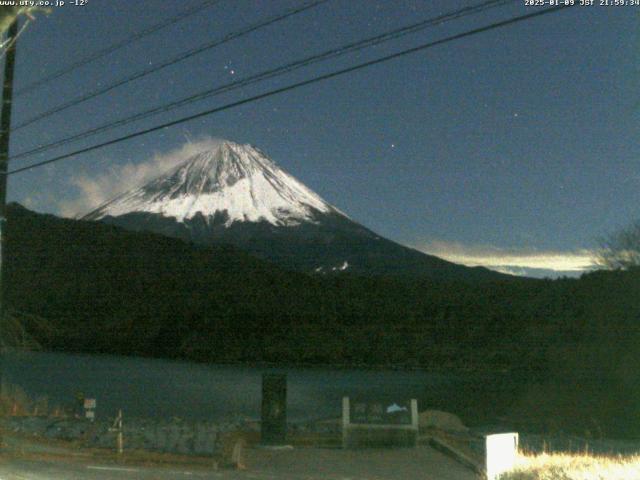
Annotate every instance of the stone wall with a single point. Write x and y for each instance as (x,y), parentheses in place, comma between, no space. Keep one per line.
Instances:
(165,435)
(169,436)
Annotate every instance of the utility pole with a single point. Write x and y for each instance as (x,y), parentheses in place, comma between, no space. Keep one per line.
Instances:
(5,128)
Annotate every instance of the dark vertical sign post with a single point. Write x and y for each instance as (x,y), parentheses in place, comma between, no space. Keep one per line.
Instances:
(274,408)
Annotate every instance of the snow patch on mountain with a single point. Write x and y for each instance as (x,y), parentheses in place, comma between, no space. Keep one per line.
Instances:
(340,268)
(238,180)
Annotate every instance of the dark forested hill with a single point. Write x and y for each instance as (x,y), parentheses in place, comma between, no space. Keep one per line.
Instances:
(572,342)
(111,290)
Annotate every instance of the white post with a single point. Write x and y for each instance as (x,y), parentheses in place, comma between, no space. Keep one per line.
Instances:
(120,434)
(345,420)
(501,453)
(414,413)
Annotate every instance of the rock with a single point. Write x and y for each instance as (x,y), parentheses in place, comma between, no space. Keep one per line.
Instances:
(445,421)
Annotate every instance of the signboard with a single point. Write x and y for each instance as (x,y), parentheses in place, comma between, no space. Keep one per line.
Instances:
(380,413)
(90,408)
(379,423)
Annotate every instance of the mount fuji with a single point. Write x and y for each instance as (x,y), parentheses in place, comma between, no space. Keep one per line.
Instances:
(235,194)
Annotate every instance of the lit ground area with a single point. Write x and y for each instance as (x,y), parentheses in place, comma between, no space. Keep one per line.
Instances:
(304,463)
(575,467)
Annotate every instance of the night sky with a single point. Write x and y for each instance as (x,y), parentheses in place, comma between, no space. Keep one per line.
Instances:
(515,148)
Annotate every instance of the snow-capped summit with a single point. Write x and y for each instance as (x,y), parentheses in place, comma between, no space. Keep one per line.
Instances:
(237,181)
(234,194)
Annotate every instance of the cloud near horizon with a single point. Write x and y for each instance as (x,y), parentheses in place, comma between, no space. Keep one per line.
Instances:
(94,190)
(510,260)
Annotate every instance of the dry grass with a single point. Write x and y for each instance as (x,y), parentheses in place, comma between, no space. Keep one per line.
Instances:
(14,401)
(575,467)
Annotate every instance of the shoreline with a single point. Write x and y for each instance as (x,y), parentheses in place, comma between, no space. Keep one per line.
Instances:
(376,367)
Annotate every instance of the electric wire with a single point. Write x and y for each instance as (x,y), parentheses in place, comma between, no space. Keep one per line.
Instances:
(278,71)
(4,48)
(179,58)
(297,85)
(116,46)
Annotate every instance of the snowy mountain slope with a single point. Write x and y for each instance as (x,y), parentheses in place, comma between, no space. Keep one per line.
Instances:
(235,194)
(236,179)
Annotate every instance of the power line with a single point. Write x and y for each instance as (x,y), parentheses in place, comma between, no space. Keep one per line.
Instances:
(116,46)
(5,47)
(179,58)
(332,53)
(297,85)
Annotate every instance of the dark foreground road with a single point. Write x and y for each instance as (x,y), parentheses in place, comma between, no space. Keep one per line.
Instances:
(421,463)
(60,470)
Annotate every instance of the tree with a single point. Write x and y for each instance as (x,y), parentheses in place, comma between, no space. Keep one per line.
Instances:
(620,250)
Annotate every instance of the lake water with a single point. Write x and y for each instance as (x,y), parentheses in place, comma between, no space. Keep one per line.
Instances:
(153,388)
(144,387)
